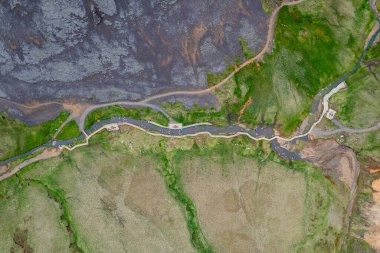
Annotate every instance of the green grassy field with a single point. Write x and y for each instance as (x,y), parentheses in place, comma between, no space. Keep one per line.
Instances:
(315,43)
(135,113)
(31,220)
(269,5)
(69,131)
(373,52)
(17,138)
(135,192)
(358,105)
(367,144)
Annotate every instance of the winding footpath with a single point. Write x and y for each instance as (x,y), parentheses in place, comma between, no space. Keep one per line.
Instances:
(197,129)
(145,102)
(152,128)
(342,128)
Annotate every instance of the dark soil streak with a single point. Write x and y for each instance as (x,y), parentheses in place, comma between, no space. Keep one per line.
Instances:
(20,238)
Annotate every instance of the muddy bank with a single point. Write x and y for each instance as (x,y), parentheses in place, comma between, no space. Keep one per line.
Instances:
(338,162)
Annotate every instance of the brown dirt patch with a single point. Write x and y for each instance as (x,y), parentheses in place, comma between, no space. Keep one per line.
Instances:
(243,9)
(373,166)
(20,236)
(241,112)
(231,201)
(338,162)
(3,169)
(372,236)
(218,33)
(376,185)
(6,172)
(190,45)
(76,109)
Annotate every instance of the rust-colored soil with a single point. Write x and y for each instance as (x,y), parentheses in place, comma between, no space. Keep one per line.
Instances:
(372,236)
(337,161)
(249,101)
(76,109)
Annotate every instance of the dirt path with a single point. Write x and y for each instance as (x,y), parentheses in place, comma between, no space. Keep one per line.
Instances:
(76,110)
(325,109)
(321,133)
(46,154)
(32,105)
(241,112)
(87,137)
(267,48)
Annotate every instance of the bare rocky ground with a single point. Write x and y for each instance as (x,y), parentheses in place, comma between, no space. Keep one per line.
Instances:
(337,161)
(31,115)
(102,50)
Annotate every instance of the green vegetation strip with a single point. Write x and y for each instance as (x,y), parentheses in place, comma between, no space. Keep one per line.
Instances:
(358,105)
(10,189)
(374,52)
(69,131)
(247,52)
(309,54)
(319,235)
(18,138)
(173,183)
(146,113)
(58,195)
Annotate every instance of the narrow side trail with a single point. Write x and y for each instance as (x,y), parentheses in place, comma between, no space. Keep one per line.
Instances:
(145,102)
(341,129)
(204,130)
(266,49)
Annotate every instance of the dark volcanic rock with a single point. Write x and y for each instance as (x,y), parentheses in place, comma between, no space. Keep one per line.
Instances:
(111,50)
(30,116)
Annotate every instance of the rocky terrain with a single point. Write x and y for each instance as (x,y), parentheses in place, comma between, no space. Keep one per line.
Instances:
(102,50)
(337,161)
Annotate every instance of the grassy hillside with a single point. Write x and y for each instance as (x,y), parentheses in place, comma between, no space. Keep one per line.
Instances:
(17,138)
(358,105)
(69,131)
(116,110)
(135,192)
(315,43)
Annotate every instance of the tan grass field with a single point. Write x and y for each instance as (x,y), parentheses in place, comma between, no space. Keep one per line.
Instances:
(117,197)
(247,210)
